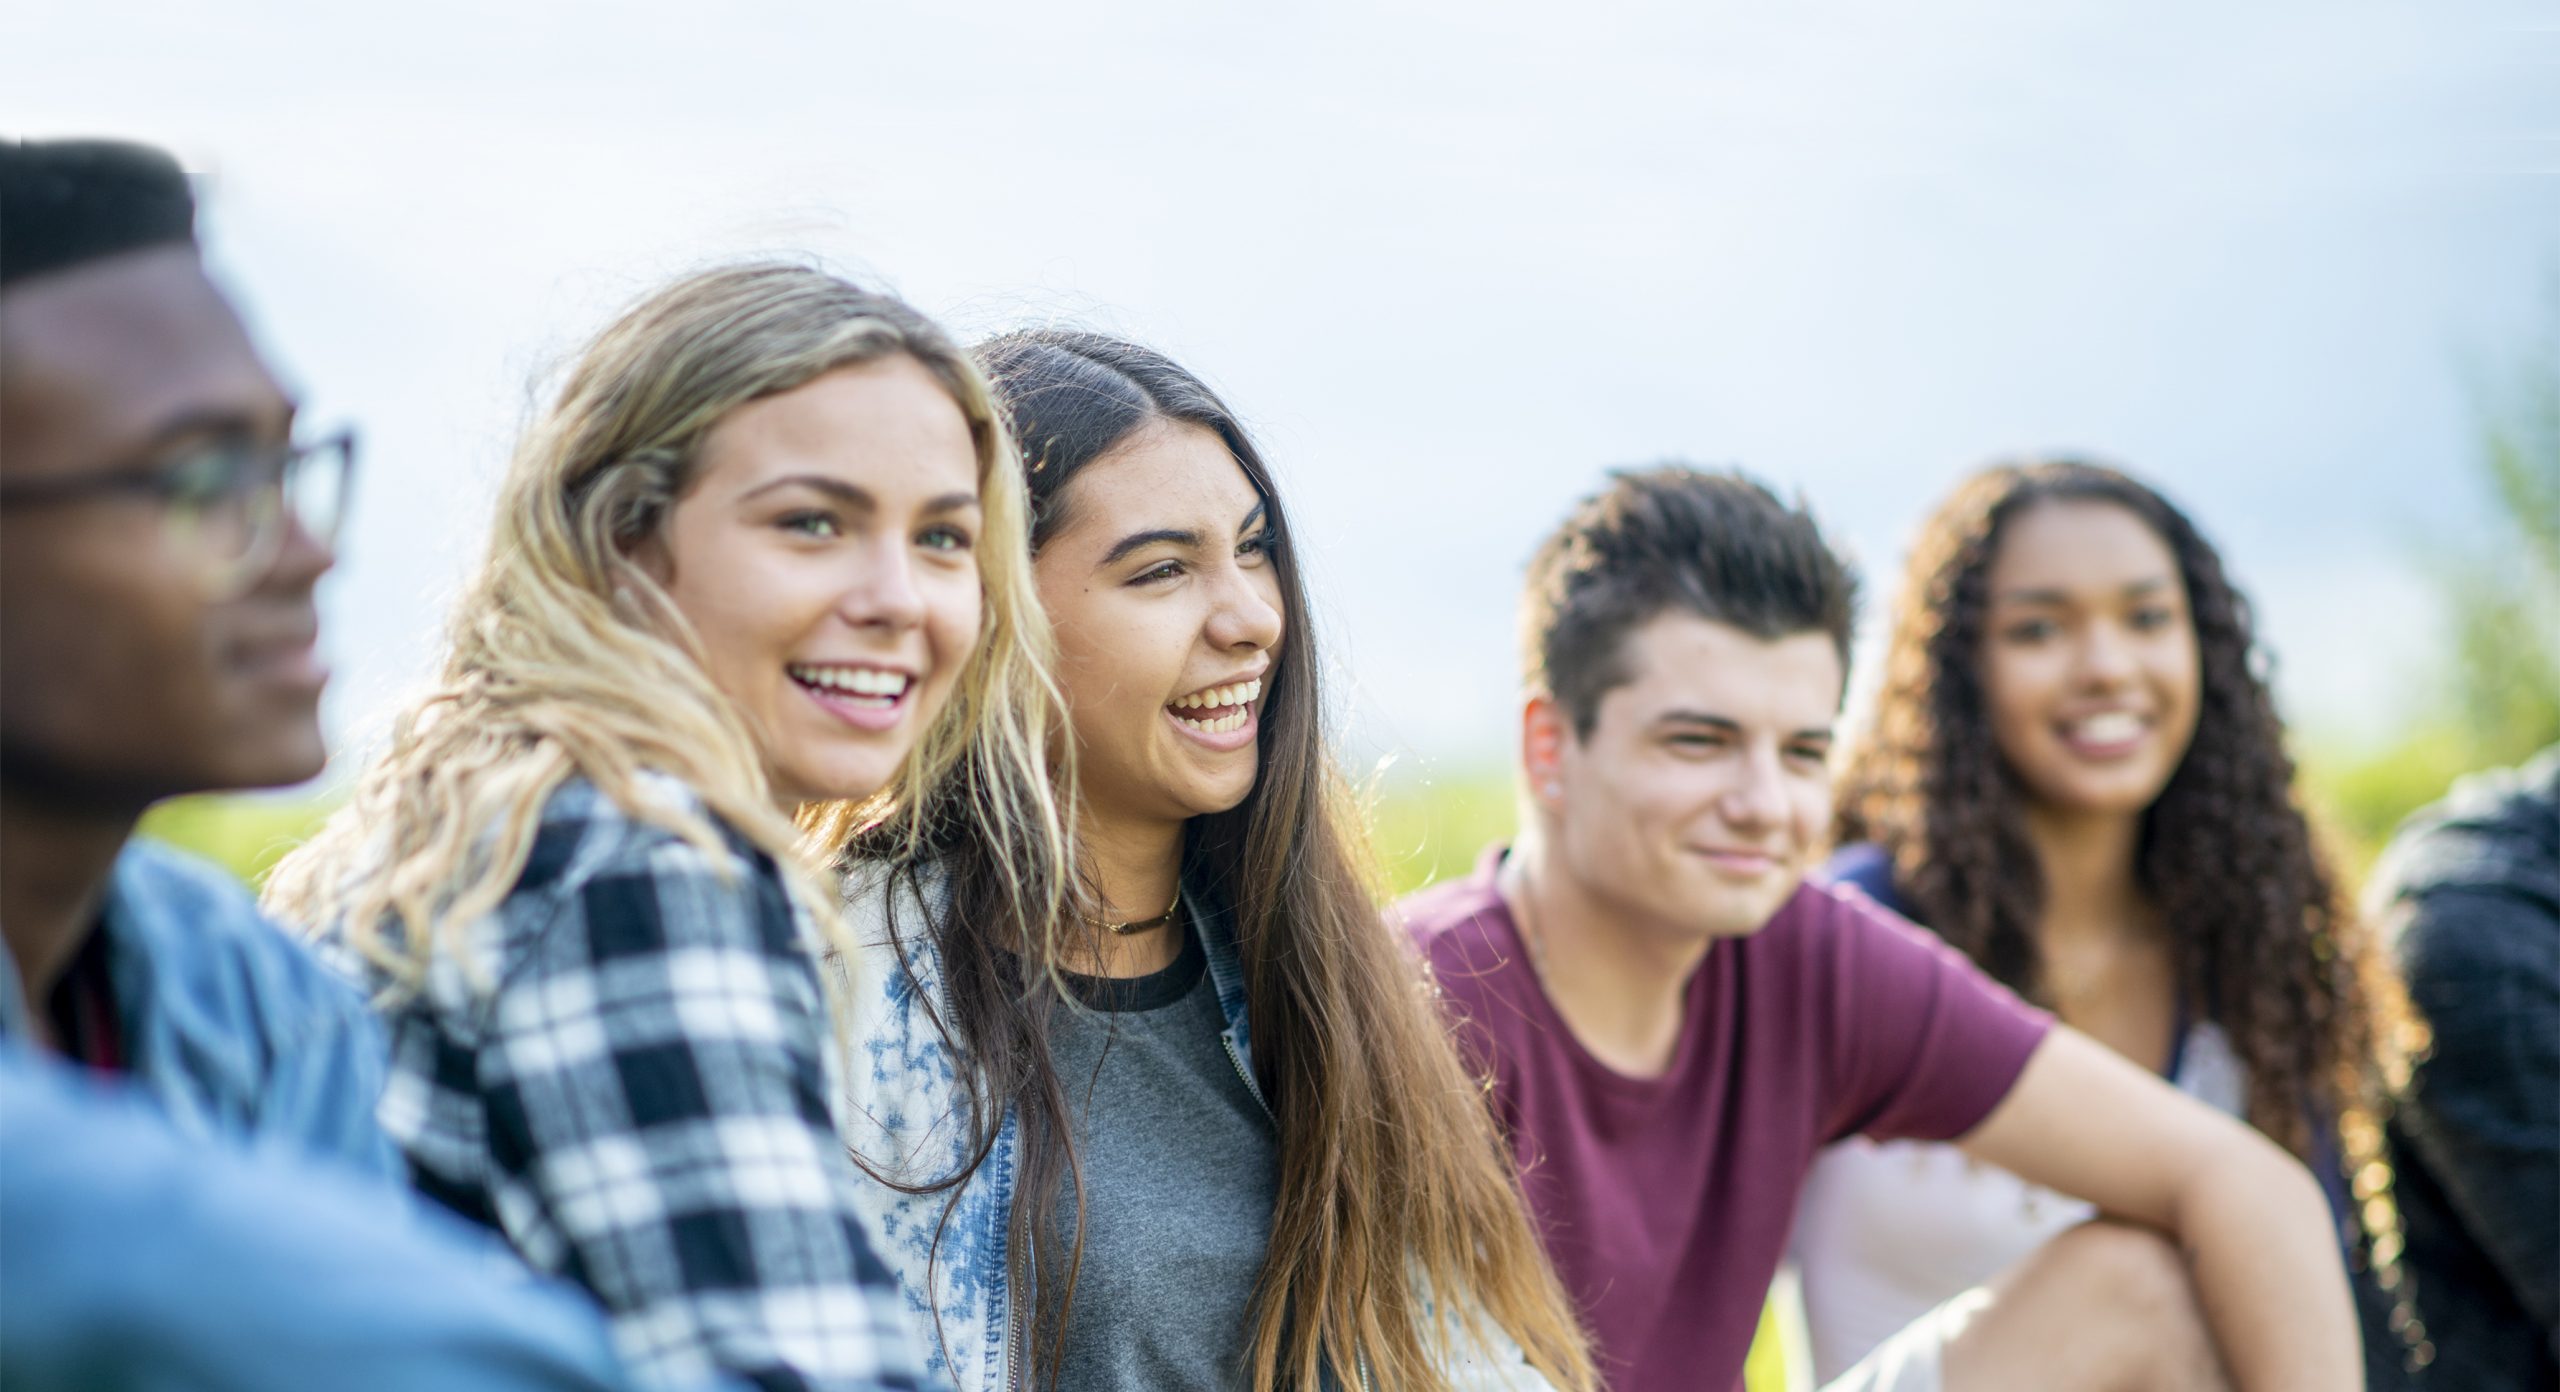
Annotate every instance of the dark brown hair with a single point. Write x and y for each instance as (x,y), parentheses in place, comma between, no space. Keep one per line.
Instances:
(1389,1164)
(2265,946)
(1720,546)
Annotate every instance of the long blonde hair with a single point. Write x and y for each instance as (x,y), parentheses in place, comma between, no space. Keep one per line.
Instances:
(567,659)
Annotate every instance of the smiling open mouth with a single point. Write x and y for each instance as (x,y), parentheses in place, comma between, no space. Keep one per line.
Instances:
(2105,734)
(863,688)
(1219,709)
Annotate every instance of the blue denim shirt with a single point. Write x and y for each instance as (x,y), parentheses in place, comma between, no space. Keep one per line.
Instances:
(230,1025)
(140,1258)
(226,1214)
(907,1115)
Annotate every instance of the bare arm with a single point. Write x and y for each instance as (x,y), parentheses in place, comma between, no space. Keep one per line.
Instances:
(2252,1222)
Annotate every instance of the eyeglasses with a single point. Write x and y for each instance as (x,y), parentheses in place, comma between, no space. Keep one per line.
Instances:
(228,498)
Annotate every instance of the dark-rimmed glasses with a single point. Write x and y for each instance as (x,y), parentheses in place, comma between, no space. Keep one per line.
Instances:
(230,498)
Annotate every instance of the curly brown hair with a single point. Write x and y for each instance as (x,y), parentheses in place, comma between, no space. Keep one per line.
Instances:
(2266,946)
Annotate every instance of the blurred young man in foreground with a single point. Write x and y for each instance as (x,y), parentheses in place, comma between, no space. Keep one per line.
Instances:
(193,1193)
(161,533)
(1675,1022)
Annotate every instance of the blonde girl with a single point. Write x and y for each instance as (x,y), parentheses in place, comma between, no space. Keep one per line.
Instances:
(763,560)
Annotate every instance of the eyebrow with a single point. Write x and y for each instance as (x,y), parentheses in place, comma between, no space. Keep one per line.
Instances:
(1726,725)
(854,495)
(1177,536)
(1188,540)
(2134,590)
(217,420)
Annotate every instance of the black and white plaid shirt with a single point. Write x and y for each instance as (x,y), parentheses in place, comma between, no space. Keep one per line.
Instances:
(637,1094)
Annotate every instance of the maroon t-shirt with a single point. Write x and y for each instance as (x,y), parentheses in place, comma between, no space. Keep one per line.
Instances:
(1665,1202)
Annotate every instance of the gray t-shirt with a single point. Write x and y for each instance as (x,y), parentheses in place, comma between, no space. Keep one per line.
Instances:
(1181,1165)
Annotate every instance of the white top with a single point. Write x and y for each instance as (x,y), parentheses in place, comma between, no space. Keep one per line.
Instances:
(1887,1231)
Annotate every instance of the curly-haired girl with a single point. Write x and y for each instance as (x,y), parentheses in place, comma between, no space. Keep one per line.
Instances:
(2076,775)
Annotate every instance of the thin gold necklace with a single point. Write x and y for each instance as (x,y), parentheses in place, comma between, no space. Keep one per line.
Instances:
(1138,925)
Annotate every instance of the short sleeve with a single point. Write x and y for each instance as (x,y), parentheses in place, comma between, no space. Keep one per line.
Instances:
(1923,1044)
(655,1078)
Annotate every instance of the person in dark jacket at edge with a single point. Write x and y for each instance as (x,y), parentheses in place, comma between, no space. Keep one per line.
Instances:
(2470,891)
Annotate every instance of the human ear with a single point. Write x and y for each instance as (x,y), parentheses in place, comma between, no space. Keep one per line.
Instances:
(1544,728)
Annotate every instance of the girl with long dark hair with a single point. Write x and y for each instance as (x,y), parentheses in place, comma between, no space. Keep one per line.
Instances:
(1205,1129)
(2076,775)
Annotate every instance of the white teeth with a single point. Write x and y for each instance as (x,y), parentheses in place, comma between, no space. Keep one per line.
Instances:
(2113,727)
(1218,726)
(1242,694)
(855,681)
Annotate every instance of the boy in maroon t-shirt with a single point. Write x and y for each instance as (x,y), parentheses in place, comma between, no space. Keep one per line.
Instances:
(1675,1021)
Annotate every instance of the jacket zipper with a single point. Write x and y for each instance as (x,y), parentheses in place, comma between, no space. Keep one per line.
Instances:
(1013,1344)
(1252,1088)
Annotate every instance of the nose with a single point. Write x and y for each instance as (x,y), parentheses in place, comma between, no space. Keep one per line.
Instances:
(880,591)
(300,558)
(1756,800)
(1244,617)
(2106,655)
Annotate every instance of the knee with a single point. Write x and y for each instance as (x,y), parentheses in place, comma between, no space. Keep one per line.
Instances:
(2135,1285)
(2132,1269)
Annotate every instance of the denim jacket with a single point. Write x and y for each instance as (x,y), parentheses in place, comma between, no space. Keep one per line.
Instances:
(231,1027)
(908,1117)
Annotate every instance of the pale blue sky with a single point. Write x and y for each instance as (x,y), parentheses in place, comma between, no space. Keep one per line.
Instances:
(1451,260)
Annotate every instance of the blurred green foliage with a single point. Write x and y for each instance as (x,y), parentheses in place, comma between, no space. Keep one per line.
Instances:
(2494,698)
(1430,825)
(245,833)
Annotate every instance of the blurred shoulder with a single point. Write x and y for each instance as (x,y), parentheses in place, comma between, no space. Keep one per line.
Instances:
(1456,921)
(1462,931)
(893,913)
(1827,926)
(202,933)
(2496,832)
